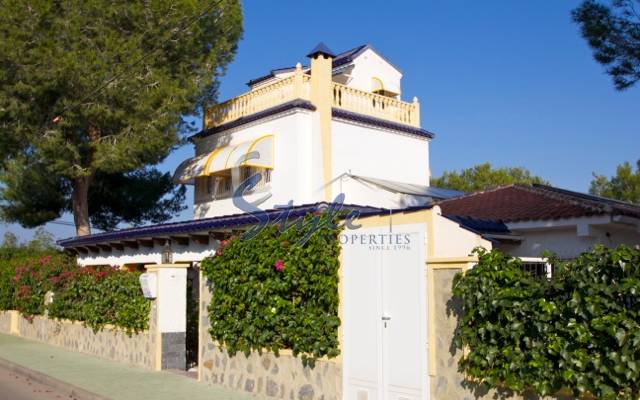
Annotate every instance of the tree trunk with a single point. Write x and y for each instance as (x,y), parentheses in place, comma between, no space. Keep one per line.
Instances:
(80,205)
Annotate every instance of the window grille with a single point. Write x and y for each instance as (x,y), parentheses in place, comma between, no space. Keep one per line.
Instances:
(538,267)
(248,172)
(222,185)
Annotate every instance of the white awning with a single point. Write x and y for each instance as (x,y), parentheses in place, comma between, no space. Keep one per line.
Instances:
(189,169)
(255,153)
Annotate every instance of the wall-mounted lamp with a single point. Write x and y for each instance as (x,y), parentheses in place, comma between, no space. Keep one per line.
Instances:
(167,254)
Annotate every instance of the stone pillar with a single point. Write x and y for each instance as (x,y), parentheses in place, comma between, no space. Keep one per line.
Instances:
(14,328)
(171,315)
(416,112)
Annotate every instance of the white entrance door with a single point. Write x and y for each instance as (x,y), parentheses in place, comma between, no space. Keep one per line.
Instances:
(385,346)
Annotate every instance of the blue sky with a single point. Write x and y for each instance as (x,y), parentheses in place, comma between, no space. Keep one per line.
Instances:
(512,83)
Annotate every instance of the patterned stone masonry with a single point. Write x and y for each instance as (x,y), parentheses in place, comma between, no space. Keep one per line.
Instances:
(266,375)
(173,350)
(448,382)
(110,343)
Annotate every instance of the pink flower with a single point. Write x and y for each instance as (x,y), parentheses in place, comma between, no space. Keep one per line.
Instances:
(222,245)
(23,291)
(45,260)
(66,274)
(279,265)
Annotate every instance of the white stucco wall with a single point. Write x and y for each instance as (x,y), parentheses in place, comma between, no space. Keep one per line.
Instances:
(367,66)
(147,255)
(566,243)
(292,161)
(377,153)
(297,174)
(172,299)
(450,240)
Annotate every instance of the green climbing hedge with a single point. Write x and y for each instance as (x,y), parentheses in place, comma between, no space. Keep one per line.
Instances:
(278,290)
(577,333)
(99,297)
(95,296)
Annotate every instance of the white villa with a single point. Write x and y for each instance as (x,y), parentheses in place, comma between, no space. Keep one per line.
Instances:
(314,132)
(335,128)
(309,138)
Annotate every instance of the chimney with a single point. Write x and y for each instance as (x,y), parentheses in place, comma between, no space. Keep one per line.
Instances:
(321,97)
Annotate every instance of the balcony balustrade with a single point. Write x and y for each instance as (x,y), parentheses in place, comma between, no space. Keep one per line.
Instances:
(298,86)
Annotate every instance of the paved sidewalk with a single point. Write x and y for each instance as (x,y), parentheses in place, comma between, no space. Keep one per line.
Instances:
(107,378)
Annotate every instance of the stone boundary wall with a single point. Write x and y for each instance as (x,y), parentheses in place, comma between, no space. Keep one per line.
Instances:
(266,376)
(446,382)
(110,343)
(5,321)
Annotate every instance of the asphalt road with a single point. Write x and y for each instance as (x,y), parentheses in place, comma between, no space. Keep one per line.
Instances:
(17,387)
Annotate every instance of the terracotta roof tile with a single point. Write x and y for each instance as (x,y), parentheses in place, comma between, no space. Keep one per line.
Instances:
(537,202)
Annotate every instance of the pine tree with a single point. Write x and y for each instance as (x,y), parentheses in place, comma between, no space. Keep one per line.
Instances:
(93,90)
(613,32)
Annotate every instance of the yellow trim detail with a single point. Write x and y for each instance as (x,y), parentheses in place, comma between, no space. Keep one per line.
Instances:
(375,78)
(226,162)
(246,162)
(210,160)
(253,144)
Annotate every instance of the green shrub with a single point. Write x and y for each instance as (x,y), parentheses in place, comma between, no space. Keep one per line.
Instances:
(7,289)
(578,332)
(95,296)
(99,297)
(274,292)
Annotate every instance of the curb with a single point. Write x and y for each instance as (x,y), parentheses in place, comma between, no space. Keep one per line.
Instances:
(67,388)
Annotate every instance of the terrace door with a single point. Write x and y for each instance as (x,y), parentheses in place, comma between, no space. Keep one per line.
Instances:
(384,316)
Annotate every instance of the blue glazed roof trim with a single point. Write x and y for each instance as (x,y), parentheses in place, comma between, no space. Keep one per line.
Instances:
(365,119)
(243,220)
(348,56)
(341,59)
(304,104)
(321,48)
(271,75)
(485,226)
(204,224)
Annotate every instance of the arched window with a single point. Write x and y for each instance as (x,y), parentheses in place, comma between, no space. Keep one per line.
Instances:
(377,86)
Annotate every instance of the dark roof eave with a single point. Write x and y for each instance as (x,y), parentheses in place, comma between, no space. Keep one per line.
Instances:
(304,104)
(301,104)
(206,224)
(381,123)
(223,222)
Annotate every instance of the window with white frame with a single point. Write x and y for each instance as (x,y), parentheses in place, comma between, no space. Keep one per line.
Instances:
(222,184)
(537,266)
